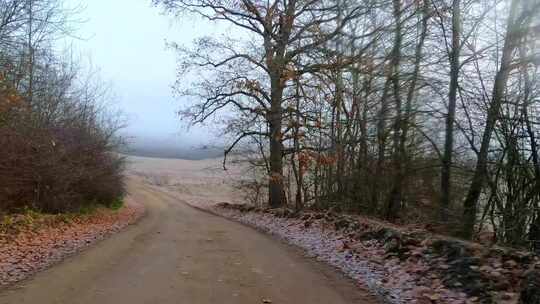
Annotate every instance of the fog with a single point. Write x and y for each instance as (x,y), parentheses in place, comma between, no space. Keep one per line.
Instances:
(126,41)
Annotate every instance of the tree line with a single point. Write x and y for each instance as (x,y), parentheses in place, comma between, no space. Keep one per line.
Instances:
(423,111)
(58,138)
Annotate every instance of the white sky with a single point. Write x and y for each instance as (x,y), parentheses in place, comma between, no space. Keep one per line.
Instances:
(125,39)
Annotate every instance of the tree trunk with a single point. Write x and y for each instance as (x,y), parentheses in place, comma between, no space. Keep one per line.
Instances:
(276,190)
(534,195)
(381,146)
(297,166)
(470,203)
(277,67)
(446,169)
(339,134)
(394,202)
(31,54)
(339,102)
(402,156)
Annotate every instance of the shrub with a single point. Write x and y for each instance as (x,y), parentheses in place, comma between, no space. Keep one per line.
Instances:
(61,160)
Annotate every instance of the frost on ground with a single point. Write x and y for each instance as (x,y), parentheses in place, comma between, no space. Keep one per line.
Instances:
(408,267)
(364,262)
(40,243)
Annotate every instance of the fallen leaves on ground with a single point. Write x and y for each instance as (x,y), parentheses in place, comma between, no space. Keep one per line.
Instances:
(29,244)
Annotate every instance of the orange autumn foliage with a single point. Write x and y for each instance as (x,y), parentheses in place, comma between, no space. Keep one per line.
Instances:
(9,98)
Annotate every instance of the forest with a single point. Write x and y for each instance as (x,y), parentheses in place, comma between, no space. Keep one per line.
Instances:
(416,112)
(58,136)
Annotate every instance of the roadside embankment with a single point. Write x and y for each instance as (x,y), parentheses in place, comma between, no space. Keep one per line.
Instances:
(400,264)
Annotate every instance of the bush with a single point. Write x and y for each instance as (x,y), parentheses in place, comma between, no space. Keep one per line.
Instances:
(61,162)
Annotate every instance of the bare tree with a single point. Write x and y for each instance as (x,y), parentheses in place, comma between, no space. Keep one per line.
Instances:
(454,54)
(518,25)
(280,33)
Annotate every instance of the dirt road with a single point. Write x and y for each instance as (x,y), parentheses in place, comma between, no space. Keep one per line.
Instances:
(178,254)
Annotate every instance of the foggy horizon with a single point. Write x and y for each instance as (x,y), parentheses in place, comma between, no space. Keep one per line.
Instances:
(114,40)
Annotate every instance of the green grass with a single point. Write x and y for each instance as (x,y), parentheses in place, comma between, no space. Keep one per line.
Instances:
(32,219)
(88,209)
(29,217)
(116,204)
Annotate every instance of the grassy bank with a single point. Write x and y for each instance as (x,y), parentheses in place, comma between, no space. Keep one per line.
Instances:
(29,220)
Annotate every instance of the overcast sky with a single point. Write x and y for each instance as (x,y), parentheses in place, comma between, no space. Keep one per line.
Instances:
(126,40)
